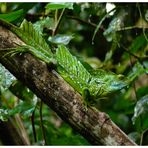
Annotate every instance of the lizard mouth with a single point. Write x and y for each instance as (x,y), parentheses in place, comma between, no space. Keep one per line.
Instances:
(118,86)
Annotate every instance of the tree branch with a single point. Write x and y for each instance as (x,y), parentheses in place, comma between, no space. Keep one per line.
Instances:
(92,124)
(12,135)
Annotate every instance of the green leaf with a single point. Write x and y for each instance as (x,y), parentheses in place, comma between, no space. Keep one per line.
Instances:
(136,71)
(114,26)
(44,23)
(60,39)
(54,6)
(140,108)
(6,78)
(142,91)
(138,43)
(4,114)
(12,16)
(21,91)
(26,108)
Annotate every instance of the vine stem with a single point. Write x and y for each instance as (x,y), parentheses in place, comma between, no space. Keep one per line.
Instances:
(33,126)
(99,25)
(42,126)
(57,21)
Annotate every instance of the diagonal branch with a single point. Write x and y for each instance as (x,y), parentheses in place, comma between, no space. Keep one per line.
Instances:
(94,125)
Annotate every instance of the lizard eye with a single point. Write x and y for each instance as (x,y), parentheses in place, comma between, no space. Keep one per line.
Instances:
(99,81)
(121,77)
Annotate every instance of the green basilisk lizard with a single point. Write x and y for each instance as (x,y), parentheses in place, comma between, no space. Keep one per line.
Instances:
(91,84)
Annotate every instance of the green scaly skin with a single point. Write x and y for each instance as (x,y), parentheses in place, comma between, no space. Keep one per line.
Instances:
(90,84)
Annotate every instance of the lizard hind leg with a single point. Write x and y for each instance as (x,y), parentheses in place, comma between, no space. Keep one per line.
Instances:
(88,100)
(13,51)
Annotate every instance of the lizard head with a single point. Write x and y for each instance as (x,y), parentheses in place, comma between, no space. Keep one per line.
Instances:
(107,82)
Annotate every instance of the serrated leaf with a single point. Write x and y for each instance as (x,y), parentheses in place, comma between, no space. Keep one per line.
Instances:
(60,39)
(54,6)
(140,108)
(12,16)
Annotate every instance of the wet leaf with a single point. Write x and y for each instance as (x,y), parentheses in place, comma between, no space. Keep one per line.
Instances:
(6,78)
(140,108)
(61,39)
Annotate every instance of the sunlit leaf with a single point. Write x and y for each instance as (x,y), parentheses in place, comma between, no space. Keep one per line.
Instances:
(60,39)
(140,108)
(12,16)
(54,6)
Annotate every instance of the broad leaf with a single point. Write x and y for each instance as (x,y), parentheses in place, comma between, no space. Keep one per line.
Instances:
(54,6)
(138,43)
(12,16)
(141,108)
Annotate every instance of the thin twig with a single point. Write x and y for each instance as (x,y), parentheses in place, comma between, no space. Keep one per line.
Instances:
(58,22)
(42,126)
(33,126)
(82,21)
(99,25)
(143,29)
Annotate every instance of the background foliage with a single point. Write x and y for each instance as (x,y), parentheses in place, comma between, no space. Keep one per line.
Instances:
(115,39)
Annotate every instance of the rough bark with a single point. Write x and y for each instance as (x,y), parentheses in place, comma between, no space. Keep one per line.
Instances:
(92,124)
